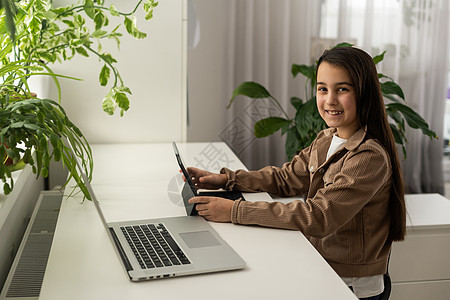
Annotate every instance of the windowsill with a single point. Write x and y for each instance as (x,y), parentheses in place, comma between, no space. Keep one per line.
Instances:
(4,198)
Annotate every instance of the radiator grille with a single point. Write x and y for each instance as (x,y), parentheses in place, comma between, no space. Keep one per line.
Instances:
(26,275)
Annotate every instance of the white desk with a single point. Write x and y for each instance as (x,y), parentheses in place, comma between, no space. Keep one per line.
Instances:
(420,265)
(281,264)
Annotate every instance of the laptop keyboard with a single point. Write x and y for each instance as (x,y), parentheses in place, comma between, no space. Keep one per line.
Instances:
(153,246)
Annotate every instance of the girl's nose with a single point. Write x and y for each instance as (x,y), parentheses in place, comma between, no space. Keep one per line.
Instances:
(331,98)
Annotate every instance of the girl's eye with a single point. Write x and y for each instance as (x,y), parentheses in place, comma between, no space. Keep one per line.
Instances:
(343,89)
(321,89)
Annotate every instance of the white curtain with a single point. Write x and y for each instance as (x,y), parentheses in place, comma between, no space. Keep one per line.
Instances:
(263,38)
(423,73)
(415,35)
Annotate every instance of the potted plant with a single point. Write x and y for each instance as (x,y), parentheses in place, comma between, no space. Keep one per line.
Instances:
(34,131)
(302,129)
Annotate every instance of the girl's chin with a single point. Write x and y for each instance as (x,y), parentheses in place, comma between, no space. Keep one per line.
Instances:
(332,124)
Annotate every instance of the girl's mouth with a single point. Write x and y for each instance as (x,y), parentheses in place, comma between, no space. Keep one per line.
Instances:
(334,112)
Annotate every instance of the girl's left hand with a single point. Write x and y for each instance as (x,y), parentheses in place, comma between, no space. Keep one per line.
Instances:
(213,208)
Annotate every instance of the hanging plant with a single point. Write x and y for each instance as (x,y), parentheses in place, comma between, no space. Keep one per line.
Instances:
(41,130)
(34,35)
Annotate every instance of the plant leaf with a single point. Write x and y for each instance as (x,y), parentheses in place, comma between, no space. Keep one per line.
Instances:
(130,25)
(82,51)
(380,75)
(285,128)
(10,11)
(108,104)
(308,71)
(123,89)
(31,126)
(344,44)
(89,9)
(99,33)
(122,101)
(104,75)
(6,188)
(308,122)
(379,57)
(392,98)
(113,11)
(392,88)
(268,126)
(54,138)
(399,138)
(100,19)
(57,154)
(149,5)
(108,58)
(296,102)
(250,89)
(413,119)
(292,142)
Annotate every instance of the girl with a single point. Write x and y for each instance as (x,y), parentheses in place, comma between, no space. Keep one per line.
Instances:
(350,178)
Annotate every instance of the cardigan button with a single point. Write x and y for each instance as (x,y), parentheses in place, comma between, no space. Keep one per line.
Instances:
(311,168)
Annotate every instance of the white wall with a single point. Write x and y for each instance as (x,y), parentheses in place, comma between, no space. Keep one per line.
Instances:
(154,70)
(207,66)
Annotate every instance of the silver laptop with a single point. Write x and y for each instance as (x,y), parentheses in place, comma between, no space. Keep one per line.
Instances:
(167,247)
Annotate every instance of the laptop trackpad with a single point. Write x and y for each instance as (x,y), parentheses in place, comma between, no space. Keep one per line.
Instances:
(199,239)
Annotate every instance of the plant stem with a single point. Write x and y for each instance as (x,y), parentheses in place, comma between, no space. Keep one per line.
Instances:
(56,47)
(279,106)
(116,75)
(82,7)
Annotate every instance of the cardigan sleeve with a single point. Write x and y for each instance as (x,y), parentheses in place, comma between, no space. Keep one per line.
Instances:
(365,176)
(290,180)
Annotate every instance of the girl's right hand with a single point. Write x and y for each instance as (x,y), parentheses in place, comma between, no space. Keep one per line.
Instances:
(207,180)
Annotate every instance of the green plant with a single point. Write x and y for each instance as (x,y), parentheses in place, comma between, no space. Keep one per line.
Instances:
(8,7)
(303,128)
(35,131)
(40,128)
(45,34)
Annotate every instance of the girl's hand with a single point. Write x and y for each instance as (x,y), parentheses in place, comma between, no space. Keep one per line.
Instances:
(213,208)
(207,180)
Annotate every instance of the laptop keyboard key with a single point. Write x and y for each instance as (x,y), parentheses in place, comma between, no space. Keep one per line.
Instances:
(153,246)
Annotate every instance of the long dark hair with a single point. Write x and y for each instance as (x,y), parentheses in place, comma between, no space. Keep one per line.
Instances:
(372,116)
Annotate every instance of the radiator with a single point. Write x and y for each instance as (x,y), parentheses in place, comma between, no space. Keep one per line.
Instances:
(25,277)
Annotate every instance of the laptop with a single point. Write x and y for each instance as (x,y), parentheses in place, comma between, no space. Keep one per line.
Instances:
(167,247)
(190,190)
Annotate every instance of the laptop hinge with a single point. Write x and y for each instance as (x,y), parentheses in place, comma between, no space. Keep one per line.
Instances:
(122,255)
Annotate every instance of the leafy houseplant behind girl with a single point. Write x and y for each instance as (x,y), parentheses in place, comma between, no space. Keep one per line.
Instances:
(350,178)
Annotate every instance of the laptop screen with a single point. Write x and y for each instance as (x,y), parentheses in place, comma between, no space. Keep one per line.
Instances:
(85,179)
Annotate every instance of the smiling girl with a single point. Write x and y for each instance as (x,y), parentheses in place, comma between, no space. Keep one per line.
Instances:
(350,178)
